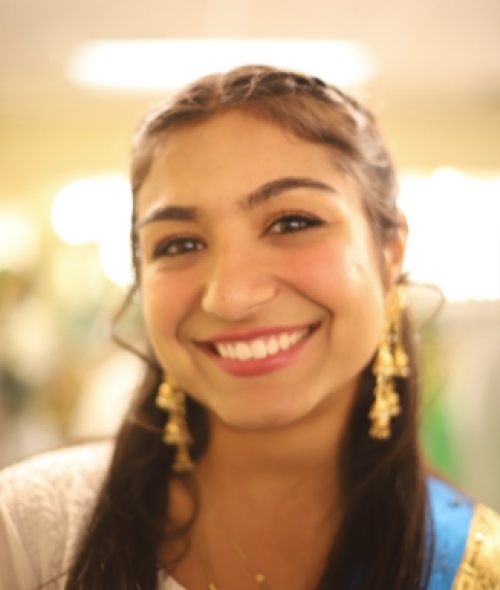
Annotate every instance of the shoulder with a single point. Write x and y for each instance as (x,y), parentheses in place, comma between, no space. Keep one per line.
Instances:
(44,502)
(69,475)
(70,460)
(466,540)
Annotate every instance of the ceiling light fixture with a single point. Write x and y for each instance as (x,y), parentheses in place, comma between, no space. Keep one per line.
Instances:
(158,65)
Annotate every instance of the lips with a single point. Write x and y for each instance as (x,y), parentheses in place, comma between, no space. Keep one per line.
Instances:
(257,352)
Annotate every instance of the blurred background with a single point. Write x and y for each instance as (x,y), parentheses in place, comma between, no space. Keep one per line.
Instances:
(69,102)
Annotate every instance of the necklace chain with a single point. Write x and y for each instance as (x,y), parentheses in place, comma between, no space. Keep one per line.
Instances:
(259,577)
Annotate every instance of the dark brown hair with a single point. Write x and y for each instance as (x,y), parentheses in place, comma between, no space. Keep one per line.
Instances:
(382,539)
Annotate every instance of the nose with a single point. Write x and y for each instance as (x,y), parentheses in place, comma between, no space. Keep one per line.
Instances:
(238,284)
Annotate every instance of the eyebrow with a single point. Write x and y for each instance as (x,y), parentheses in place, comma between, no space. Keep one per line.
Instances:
(276,187)
(260,195)
(170,213)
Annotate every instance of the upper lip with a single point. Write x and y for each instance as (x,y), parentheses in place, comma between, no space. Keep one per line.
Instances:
(256,333)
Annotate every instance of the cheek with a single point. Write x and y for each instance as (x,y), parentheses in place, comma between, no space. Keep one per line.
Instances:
(330,274)
(163,304)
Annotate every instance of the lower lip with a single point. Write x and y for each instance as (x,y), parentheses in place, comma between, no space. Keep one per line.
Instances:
(255,367)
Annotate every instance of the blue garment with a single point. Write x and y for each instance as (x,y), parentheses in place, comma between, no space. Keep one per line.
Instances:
(452,513)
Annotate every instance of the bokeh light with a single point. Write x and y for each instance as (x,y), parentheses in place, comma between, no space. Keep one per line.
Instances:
(19,241)
(138,65)
(454,240)
(98,210)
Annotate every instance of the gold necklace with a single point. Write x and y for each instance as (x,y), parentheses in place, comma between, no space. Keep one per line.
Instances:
(259,577)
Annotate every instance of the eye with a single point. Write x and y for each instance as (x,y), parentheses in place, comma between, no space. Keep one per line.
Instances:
(177,247)
(289,223)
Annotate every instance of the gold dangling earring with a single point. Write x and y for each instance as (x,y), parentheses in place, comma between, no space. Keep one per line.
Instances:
(171,398)
(391,361)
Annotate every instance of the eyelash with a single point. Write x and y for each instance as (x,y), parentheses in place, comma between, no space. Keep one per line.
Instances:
(177,246)
(187,245)
(302,222)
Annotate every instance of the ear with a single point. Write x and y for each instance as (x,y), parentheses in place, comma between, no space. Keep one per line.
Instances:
(394,251)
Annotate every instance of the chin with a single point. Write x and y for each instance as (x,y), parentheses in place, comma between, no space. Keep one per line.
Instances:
(264,418)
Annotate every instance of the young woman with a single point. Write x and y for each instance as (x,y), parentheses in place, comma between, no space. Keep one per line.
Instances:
(268,250)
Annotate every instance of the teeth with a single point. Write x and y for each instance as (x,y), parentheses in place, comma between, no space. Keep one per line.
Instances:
(223,351)
(259,348)
(284,342)
(243,352)
(272,345)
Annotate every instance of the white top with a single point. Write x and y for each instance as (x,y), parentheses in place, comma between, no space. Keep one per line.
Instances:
(44,503)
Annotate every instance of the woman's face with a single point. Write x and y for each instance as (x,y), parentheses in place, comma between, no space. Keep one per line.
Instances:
(260,281)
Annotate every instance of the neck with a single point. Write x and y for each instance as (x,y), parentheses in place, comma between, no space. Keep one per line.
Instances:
(272,494)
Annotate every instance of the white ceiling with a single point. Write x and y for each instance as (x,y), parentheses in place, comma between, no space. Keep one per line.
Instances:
(425,48)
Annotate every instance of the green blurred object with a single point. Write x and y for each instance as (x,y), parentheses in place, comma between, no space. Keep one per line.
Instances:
(435,433)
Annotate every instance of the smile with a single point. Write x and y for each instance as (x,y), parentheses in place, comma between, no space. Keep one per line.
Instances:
(258,352)
(260,348)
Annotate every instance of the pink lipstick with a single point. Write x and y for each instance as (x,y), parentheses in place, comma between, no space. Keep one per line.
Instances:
(259,351)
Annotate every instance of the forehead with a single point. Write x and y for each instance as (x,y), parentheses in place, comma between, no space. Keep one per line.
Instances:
(231,154)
